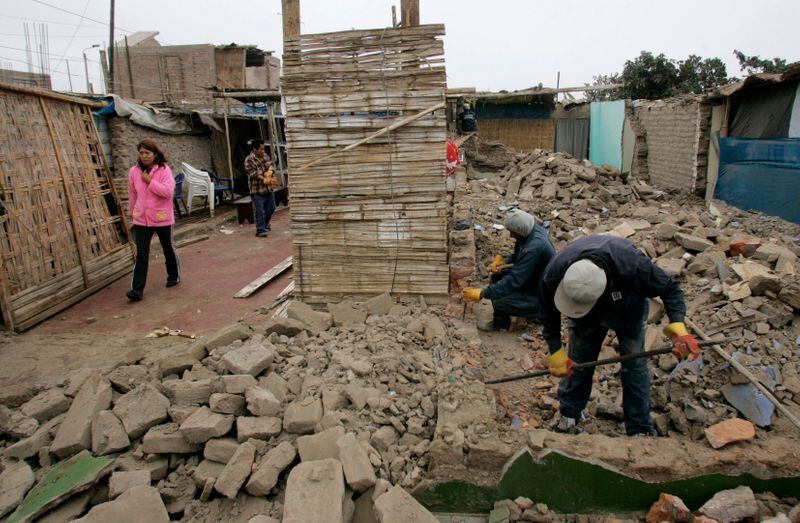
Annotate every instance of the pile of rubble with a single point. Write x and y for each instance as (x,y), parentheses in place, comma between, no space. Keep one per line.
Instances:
(311,413)
(738,270)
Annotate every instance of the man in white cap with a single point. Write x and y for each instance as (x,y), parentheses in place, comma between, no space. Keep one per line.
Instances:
(602,283)
(515,291)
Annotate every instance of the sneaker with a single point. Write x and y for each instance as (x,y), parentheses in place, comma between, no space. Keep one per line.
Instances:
(269,227)
(172,283)
(133,296)
(568,425)
(650,434)
(262,234)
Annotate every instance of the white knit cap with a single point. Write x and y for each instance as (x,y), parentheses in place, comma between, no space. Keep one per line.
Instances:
(520,222)
(580,288)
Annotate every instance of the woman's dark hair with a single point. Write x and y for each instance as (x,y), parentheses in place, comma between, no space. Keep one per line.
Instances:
(153,147)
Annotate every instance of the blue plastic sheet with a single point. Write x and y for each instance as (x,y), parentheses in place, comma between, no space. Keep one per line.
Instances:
(605,132)
(761,175)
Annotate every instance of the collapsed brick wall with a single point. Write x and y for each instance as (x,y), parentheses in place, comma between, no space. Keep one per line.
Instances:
(520,133)
(674,154)
(125,135)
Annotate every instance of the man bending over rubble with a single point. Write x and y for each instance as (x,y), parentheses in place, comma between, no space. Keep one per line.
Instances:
(515,291)
(602,283)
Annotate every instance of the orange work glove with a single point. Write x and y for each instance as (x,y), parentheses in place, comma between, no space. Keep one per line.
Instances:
(683,344)
(559,364)
(494,267)
(471,294)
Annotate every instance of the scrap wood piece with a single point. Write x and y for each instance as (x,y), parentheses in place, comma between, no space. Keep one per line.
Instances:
(264,279)
(747,374)
(166,331)
(461,139)
(285,294)
(69,477)
(190,241)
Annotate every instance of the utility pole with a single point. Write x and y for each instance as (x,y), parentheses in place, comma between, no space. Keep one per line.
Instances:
(69,75)
(409,13)
(291,18)
(86,69)
(111,49)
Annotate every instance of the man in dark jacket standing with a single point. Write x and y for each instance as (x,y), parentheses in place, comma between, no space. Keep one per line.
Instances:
(602,283)
(515,291)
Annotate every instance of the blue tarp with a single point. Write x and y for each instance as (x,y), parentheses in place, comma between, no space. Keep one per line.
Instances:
(489,111)
(761,175)
(605,132)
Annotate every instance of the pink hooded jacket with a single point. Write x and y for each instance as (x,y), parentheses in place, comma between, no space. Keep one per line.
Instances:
(151,203)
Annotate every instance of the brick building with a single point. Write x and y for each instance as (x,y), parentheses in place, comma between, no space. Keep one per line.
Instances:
(146,70)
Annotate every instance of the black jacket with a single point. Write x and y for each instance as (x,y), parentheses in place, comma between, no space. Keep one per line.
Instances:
(531,256)
(631,278)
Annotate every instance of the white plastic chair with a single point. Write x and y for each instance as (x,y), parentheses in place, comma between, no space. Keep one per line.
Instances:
(200,184)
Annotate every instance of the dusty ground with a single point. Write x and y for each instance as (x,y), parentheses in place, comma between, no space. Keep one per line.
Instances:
(105,328)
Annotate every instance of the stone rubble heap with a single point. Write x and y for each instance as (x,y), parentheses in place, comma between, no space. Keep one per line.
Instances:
(330,413)
(738,271)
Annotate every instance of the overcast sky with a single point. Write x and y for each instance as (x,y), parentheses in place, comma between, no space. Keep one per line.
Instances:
(490,45)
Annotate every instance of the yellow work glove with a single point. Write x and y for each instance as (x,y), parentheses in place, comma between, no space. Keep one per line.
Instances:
(495,265)
(471,294)
(683,344)
(559,363)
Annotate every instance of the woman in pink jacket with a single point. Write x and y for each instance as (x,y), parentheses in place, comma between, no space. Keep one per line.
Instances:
(150,191)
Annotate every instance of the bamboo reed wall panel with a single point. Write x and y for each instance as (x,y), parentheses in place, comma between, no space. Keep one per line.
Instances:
(60,240)
(372,219)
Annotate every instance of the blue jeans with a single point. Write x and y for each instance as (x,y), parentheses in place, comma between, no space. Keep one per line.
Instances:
(585,341)
(263,206)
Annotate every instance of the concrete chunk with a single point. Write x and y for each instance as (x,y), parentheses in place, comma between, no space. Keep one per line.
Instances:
(321,445)
(128,377)
(380,304)
(203,425)
(220,449)
(345,314)
(46,405)
(29,447)
(167,439)
(226,403)
(260,427)
(356,464)
(187,392)
(140,409)
(398,506)
(15,481)
(274,383)
(238,383)
(137,505)
(236,471)
(75,432)
(261,402)
(122,481)
(207,470)
(252,358)
(730,431)
(272,464)
(227,335)
(302,416)
(108,434)
(692,243)
(316,321)
(315,488)
(731,505)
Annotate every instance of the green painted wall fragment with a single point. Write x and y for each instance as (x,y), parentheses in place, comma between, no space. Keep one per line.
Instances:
(572,486)
(76,474)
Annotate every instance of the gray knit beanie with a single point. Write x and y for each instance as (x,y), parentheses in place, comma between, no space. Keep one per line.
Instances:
(520,222)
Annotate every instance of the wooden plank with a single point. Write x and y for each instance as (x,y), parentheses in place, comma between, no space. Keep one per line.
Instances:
(265,278)
(46,93)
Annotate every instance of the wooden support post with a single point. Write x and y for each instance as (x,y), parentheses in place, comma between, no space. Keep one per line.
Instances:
(394,16)
(227,142)
(747,374)
(104,66)
(73,217)
(130,71)
(409,13)
(275,138)
(291,18)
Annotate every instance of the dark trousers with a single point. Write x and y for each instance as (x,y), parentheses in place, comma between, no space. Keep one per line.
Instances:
(263,206)
(585,341)
(142,236)
(520,304)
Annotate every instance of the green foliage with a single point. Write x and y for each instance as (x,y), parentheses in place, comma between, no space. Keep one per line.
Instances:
(652,77)
(755,64)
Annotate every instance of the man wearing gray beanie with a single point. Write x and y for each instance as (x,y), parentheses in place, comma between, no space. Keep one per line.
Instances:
(515,291)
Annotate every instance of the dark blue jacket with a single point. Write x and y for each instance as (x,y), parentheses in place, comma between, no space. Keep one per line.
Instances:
(531,256)
(631,278)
